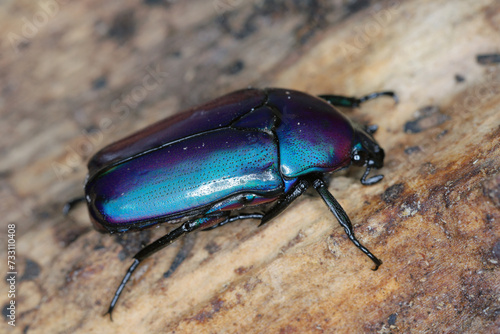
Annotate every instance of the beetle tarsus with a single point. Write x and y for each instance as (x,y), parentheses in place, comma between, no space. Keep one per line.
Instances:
(378,94)
(354,102)
(71,204)
(342,218)
(372,180)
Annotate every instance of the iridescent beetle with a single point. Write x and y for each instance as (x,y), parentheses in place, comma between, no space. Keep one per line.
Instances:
(245,155)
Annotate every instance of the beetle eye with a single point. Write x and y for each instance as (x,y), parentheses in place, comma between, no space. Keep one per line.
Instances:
(359,158)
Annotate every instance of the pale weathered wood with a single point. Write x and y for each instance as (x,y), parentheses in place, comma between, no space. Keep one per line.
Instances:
(87,73)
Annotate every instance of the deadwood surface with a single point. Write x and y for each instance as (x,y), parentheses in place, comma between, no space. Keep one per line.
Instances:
(76,75)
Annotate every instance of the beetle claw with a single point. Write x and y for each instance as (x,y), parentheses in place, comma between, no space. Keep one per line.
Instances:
(110,310)
(371,180)
(377,264)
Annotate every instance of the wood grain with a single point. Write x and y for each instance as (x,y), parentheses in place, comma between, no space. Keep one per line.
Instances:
(79,75)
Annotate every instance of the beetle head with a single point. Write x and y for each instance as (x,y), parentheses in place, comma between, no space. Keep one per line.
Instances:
(365,150)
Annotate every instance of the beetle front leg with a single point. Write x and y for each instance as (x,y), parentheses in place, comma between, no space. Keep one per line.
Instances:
(371,180)
(158,245)
(342,218)
(188,242)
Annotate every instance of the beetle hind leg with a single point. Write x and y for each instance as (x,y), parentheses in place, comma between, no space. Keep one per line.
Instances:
(161,243)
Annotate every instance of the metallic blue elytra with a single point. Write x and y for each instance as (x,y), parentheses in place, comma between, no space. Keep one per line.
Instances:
(247,154)
(185,176)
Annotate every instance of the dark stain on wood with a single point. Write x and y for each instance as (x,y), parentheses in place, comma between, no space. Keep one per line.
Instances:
(426,118)
(216,304)
(488,59)
(99,83)
(392,193)
(491,189)
(459,78)
(356,6)
(412,149)
(68,233)
(123,26)
(212,247)
(156,2)
(235,67)
(31,270)
(242,270)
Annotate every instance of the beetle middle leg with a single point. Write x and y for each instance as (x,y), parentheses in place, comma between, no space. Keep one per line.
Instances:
(234,218)
(189,241)
(283,203)
(274,211)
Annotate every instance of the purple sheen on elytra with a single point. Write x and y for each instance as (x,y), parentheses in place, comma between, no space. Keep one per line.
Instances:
(313,136)
(261,118)
(188,174)
(209,116)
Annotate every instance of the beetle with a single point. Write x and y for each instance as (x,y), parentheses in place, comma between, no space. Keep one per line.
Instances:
(246,155)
